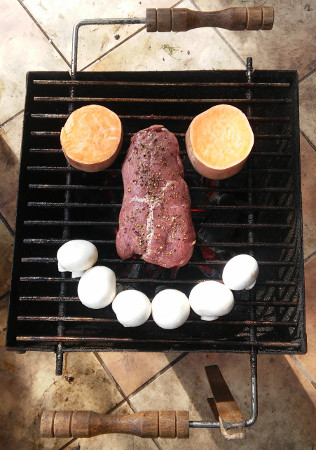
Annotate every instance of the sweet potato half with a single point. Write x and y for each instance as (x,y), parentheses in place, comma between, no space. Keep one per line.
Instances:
(91,138)
(219,141)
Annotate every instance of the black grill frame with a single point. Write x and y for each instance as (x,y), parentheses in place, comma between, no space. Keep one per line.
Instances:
(268,319)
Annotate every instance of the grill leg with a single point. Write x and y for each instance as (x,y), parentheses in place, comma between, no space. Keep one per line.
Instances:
(59,359)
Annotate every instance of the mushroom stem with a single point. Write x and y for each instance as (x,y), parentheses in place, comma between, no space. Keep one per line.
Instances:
(209,318)
(250,286)
(77,274)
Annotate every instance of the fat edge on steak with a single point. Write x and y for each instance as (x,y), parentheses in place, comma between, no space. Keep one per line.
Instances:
(155,219)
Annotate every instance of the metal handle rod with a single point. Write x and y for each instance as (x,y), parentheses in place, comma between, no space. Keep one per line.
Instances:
(253,354)
(254,399)
(80,23)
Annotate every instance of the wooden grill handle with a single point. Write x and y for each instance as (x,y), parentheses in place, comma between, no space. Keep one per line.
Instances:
(147,424)
(237,18)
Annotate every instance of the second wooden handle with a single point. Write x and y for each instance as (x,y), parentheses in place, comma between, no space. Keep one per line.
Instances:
(150,424)
(237,18)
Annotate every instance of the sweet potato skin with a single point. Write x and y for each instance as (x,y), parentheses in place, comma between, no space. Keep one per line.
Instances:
(207,171)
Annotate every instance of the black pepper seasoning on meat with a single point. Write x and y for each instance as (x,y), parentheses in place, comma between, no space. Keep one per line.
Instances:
(154,181)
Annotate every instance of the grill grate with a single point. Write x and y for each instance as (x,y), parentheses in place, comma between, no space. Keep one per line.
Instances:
(257,211)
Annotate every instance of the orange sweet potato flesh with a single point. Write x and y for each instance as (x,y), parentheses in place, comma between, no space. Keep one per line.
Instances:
(219,141)
(91,138)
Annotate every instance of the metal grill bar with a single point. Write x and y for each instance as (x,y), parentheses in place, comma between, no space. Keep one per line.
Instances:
(273,304)
(203,207)
(258,136)
(156,83)
(234,344)
(41,241)
(157,117)
(108,223)
(160,100)
(254,152)
(44,260)
(145,280)
(106,320)
(192,188)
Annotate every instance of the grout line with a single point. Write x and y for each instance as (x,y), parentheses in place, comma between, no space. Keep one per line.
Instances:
(230,46)
(67,443)
(308,258)
(307,75)
(115,407)
(107,370)
(177,4)
(302,368)
(118,387)
(107,412)
(5,223)
(112,48)
(11,118)
(44,32)
(122,42)
(3,296)
(140,388)
(194,5)
(308,140)
(157,444)
(158,374)
(222,37)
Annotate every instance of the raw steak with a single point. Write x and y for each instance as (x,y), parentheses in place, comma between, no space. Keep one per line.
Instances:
(155,218)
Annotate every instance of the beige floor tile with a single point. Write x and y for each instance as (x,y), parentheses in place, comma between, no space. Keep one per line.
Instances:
(303,378)
(309,360)
(6,251)
(9,169)
(23,47)
(29,386)
(10,142)
(291,44)
(115,441)
(57,19)
(307,95)
(12,133)
(194,50)
(286,408)
(308,170)
(132,370)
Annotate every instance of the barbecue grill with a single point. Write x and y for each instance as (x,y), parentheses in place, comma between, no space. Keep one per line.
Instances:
(257,211)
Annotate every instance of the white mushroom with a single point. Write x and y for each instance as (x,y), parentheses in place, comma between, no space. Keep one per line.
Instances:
(240,272)
(97,287)
(211,299)
(132,308)
(76,256)
(170,309)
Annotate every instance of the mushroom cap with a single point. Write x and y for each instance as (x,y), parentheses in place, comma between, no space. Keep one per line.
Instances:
(132,308)
(240,272)
(97,287)
(211,299)
(170,309)
(77,255)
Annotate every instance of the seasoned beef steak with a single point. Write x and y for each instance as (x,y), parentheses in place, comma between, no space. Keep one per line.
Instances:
(155,219)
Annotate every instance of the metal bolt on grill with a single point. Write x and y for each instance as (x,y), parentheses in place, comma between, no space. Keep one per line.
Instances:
(258,211)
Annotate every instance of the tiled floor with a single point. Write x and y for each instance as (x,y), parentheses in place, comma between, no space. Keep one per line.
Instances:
(36,35)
